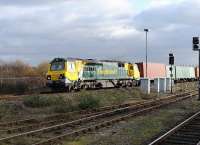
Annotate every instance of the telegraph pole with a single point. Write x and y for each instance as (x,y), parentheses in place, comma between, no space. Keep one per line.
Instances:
(197,48)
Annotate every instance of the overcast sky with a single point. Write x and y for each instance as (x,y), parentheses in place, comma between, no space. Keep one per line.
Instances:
(38,30)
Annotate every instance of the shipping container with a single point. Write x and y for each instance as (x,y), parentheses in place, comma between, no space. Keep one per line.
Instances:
(197,72)
(185,72)
(154,70)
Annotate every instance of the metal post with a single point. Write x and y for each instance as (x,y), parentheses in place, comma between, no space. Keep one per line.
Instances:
(196,47)
(171,78)
(146,54)
(146,30)
(199,76)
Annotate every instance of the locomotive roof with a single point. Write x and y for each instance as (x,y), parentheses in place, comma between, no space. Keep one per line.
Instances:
(114,61)
(87,60)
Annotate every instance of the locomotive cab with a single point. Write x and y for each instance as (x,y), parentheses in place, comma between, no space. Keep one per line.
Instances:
(64,73)
(56,73)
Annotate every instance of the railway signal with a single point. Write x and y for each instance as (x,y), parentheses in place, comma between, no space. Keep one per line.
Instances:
(171,62)
(171,59)
(196,43)
(196,47)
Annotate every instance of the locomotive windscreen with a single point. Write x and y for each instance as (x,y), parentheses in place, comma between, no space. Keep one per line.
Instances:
(57,65)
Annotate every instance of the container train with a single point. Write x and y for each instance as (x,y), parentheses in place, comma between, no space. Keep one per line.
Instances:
(74,74)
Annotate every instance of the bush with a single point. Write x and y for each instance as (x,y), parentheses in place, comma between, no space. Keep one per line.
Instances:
(19,77)
(89,102)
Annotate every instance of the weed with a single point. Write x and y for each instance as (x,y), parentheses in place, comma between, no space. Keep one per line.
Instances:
(89,102)
(40,101)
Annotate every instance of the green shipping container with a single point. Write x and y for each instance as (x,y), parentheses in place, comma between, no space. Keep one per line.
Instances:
(185,72)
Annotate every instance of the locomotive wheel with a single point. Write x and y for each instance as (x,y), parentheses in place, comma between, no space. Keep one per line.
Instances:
(86,87)
(130,84)
(70,88)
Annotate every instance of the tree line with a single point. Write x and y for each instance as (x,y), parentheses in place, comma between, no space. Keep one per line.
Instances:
(21,69)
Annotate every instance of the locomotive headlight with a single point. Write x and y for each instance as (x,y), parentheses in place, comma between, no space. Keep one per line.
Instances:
(62,76)
(48,77)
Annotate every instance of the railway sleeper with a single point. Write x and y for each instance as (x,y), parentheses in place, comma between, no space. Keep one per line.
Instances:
(181,138)
(187,135)
(179,142)
(189,129)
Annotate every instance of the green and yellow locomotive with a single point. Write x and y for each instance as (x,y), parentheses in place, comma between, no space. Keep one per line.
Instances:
(86,73)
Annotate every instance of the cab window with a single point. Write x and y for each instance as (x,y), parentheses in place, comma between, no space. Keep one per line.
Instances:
(57,66)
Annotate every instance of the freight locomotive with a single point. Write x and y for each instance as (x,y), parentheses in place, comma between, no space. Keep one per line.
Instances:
(87,73)
(74,74)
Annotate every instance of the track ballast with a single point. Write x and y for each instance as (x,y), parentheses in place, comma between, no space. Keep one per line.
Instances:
(186,133)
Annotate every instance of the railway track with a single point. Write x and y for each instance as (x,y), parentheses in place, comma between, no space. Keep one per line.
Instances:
(104,117)
(15,125)
(185,133)
(30,123)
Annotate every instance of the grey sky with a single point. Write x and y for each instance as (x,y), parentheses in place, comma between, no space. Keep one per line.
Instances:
(35,31)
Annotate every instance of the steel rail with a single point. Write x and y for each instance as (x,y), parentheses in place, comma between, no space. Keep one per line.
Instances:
(49,117)
(37,124)
(173,130)
(109,113)
(108,123)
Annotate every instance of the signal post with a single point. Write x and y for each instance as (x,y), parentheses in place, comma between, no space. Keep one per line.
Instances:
(171,62)
(197,48)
